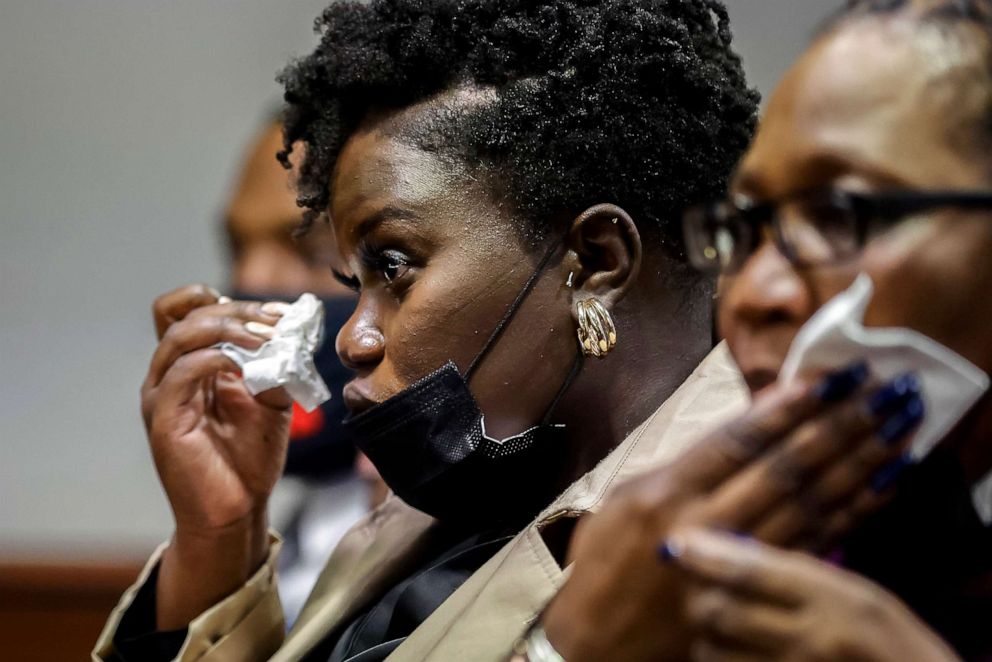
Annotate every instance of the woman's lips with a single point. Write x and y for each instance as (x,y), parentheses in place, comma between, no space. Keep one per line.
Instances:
(355,399)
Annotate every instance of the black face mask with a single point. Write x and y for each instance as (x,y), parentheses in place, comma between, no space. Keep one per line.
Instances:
(318,448)
(429,443)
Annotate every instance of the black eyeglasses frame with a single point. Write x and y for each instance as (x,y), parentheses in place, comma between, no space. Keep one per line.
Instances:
(865,209)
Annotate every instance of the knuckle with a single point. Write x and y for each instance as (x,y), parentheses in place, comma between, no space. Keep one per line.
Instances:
(725,622)
(713,613)
(248,309)
(161,302)
(200,313)
(201,291)
(174,334)
(223,325)
(744,439)
(785,474)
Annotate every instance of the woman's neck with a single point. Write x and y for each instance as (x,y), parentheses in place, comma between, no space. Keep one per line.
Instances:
(614,395)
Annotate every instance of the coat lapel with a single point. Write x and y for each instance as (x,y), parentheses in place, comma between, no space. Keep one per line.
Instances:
(375,554)
(495,604)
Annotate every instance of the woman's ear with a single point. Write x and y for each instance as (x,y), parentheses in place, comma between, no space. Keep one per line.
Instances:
(604,254)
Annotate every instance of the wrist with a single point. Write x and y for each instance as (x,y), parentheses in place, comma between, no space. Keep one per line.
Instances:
(236,548)
(200,568)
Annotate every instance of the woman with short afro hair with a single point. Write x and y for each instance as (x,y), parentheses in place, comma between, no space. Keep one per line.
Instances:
(504,180)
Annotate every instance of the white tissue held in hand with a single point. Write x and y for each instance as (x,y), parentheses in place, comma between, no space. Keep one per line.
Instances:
(836,337)
(287,359)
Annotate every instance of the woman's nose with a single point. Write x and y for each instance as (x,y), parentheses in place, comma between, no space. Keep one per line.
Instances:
(360,344)
(766,291)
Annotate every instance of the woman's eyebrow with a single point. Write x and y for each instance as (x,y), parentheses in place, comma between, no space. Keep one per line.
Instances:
(370,223)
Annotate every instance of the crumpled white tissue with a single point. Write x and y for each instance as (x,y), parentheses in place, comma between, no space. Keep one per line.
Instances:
(287,359)
(836,336)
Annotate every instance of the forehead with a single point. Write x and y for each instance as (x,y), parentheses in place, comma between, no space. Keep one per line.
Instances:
(382,173)
(376,168)
(886,96)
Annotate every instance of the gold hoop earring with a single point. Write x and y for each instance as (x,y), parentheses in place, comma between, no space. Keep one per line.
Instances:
(597,334)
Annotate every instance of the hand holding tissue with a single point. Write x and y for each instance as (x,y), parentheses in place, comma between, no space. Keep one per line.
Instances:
(836,336)
(287,359)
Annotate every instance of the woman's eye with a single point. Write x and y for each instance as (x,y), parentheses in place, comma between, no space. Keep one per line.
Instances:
(393,267)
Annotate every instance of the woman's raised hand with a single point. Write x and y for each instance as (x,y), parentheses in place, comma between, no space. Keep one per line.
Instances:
(218,450)
(749,601)
(804,464)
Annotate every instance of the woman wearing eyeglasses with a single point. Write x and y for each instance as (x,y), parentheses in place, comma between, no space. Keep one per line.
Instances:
(873,157)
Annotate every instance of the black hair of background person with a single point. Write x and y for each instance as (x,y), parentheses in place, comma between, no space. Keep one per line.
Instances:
(638,102)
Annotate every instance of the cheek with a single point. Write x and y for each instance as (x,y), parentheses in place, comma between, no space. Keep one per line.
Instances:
(449,312)
(934,277)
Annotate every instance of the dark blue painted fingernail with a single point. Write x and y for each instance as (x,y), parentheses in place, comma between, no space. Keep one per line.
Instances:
(839,385)
(902,422)
(891,397)
(888,476)
(669,550)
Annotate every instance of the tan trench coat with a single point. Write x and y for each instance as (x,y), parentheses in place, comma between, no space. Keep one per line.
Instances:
(494,606)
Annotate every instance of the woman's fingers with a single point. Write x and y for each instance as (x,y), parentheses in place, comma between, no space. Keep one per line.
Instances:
(842,521)
(738,565)
(789,477)
(185,378)
(177,304)
(244,323)
(723,452)
(845,487)
(753,598)
(749,625)
(769,421)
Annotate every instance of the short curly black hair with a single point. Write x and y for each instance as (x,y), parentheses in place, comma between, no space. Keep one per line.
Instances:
(642,103)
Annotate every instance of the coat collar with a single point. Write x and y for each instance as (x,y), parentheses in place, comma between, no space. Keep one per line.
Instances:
(376,553)
(482,618)
(488,612)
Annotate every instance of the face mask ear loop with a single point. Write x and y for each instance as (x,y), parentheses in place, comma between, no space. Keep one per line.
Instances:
(512,310)
(572,374)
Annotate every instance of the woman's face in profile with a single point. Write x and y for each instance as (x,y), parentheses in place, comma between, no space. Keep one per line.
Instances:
(874,105)
(438,263)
